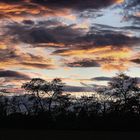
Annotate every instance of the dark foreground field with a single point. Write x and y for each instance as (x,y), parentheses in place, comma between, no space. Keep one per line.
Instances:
(23,134)
(109,123)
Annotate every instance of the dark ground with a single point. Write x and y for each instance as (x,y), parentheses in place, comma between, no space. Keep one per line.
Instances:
(15,134)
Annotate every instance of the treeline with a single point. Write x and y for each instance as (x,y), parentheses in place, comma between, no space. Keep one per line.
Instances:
(116,106)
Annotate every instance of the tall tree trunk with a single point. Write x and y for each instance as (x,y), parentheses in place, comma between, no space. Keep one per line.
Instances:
(104,109)
(39,99)
(50,103)
(125,102)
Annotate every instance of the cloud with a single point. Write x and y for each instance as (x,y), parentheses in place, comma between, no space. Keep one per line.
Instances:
(137,60)
(106,53)
(38,65)
(28,22)
(48,34)
(19,10)
(109,37)
(101,78)
(96,46)
(83,63)
(44,34)
(98,37)
(99,46)
(132,11)
(108,58)
(107,46)
(77,4)
(25,10)
(77,89)
(73,37)
(13,74)
(12,57)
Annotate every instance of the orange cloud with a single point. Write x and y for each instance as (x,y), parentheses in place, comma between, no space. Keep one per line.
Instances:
(26,10)
(109,57)
(17,57)
(51,45)
(101,52)
(121,65)
(137,14)
(119,1)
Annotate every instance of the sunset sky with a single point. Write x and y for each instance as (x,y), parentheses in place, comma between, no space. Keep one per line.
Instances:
(79,41)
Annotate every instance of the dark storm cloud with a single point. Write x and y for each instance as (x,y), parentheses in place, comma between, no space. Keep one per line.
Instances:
(13,74)
(43,34)
(135,19)
(48,23)
(61,51)
(137,61)
(113,28)
(100,38)
(83,63)
(11,2)
(69,39)
(101,79)
(56,32)
(38,65)
(76,4)
(131,28)
(103,35)
(77,89)
(30,35)
(28,22)
(38,35)
(105,38)
(25,8)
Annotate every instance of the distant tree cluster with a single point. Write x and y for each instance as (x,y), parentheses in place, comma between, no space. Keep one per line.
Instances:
(46,100)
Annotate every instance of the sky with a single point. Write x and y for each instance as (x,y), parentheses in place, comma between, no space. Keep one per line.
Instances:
(78,41)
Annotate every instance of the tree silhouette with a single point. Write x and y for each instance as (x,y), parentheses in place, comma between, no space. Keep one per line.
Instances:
(117,103)
(56,89)
(124,87)
(119,93)
(39,87)
(4,105)
(35,87)
(104,98)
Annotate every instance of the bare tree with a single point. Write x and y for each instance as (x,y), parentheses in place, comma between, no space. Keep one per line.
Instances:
(124,87)
(56,89)
(35,87)
(39,87)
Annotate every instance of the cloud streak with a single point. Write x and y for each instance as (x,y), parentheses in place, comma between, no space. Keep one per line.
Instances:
(13,74)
